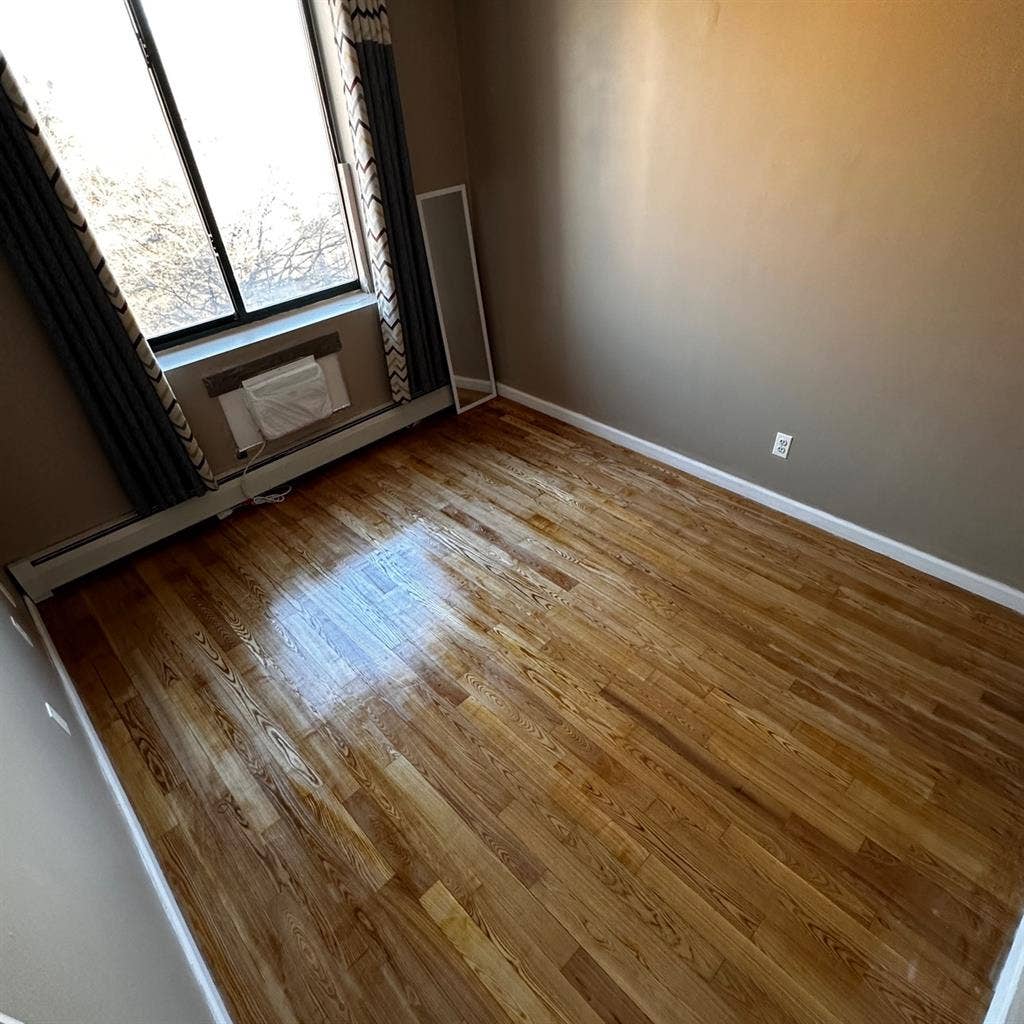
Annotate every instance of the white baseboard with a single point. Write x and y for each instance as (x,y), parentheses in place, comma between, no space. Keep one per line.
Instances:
(175,918)
(1000,593)
(40,574)
(1010,986)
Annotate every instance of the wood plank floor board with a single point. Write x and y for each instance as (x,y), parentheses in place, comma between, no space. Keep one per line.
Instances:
(497,721)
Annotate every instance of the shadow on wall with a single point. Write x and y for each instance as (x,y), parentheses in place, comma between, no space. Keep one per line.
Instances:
(56,480)
(532,186)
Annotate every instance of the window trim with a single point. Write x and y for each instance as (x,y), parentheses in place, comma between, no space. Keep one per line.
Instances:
(180,141)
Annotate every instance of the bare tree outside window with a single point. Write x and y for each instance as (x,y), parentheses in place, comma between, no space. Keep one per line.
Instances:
(259,142)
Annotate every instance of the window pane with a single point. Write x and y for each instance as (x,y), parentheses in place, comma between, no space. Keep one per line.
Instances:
(83,72)
(241,76)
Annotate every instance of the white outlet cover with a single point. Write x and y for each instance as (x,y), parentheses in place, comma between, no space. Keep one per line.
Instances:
(59,719)
(21,631)
(782,444)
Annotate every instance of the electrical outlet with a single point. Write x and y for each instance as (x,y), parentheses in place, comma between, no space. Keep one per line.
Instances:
(781,446)
(21,631)
(57,718)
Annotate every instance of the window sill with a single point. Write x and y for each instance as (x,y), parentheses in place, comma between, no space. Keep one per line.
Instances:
(250,334)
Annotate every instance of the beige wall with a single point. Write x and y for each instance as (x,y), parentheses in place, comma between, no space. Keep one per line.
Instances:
(56,481)
(54,477)
(705,222)
(83,938)
(424,38)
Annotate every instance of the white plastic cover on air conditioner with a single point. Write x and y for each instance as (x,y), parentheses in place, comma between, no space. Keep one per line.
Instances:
(245,429)
(287,398)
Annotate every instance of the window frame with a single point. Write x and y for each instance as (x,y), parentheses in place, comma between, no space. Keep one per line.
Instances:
(180,141)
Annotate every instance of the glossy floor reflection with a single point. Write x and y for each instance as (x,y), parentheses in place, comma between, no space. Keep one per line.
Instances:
(497,721)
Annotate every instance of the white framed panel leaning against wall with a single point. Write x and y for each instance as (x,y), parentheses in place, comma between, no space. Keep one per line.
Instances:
(451,256)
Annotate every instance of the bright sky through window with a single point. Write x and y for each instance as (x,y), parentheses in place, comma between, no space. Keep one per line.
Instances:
(248,99)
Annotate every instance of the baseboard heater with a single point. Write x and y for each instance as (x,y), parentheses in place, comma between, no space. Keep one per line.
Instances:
(40,574)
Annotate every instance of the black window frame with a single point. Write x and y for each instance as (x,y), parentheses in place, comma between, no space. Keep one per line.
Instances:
(179,138)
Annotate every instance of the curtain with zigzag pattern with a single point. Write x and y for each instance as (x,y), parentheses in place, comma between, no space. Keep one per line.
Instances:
(126,396)
(413,348)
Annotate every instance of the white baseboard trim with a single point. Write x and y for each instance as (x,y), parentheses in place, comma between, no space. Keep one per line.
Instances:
(175,918)
(39,574)
(1000,593)
(1010,985)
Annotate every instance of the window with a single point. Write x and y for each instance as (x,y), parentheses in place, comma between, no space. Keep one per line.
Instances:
(193,133)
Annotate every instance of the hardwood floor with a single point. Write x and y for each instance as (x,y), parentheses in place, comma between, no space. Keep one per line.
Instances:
(497,721)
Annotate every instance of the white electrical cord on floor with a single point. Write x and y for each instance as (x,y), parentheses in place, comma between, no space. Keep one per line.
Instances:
(261,499)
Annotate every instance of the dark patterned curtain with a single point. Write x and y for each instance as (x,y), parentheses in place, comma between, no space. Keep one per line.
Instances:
(405,298)
(125,393)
